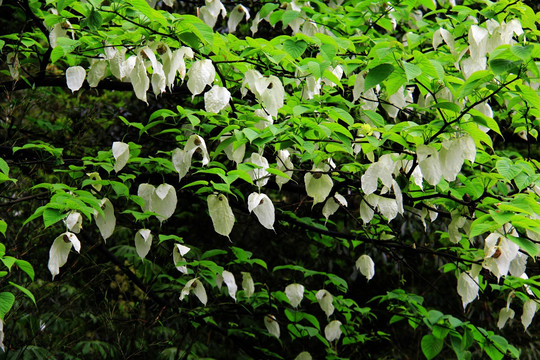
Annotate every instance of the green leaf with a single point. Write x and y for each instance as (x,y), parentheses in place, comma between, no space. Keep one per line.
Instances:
(411,70)
(3,227)
(526,245)
(431,346)
(522,52)
(289,16)
(25,291)
(52,216)
(501,66)
(377,75)
(447,106)
(26,267)
(6,302)
(507,169)
(151,14)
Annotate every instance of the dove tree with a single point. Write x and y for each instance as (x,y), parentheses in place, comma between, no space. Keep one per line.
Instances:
(363,177)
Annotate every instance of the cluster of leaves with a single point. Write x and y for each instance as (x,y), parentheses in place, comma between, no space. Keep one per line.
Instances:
(392,141)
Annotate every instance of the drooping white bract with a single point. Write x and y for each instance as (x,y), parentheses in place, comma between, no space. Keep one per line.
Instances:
(428,161)
(367,207)
(271,325)
(210,12)
(263,208)
(266,119)
(325,300)
(467,285)
(237,14)
(173,63)
(519,264)
(371,101)
(161,200)
(295,294)
(332,204)
(284,163)
(529,309)
(158,80)
(221,214)
(197,287)
(382,169)
(120,152)
(337,71)
(366,266)
(273,96)
(313,87)
(74,222)
(228,279)
(332,331)
(304,355)
(75,76)
(58,254)
(457,223)
(2,335)
(234,154)
(216,99)
(143,241)
(247,284)
(107,223)
(200,74)
(396,102)
(505,314)
(441,35)
(259,175)
(181,159)
(179,251)
(59,30)
(139,79)
(318,185)
(256,82)
(453,153)
(499,251)
(97,72)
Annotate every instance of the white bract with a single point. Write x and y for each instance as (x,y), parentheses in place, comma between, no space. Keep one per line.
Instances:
(529,309)
(179,251)
(428,160)
(504,315)
(332,204)
(247,284)
(237,14)
(382,169)
(143,241)
(58,254)
(295,294)
(304,355)
(467,286)
(284,164)
(325,300)
(182,158)
(228,279)
(197,287)
(75,76)
(161,200)
(139,79)
(332,331)
(318,185)
(200,74)
(210,12)
(259,175)
(216,99)
(366,266)
(97,72)
(120,152)
(271,325)
(234,154)
(173,63)
(107,223)
(74,222)
(221,214)
(499,251)
(273,96)
(263,208)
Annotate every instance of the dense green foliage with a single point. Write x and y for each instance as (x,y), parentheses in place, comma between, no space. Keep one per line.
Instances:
(325,179)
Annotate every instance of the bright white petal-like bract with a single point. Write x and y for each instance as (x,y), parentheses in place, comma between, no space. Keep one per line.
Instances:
(273,96)
(237,14)
(197,287)
(271,325)
(332,331)
(325,300)
(467,288)
(259,175)
(107,223)
(163,201)
(74,222)
(120,152)
(295,294)
(181,160)
(75,76)
(505,314)
(318,185)
(195,143)
(97,72)
(216,99)
(284,164)
(58,254)
(228,279)
(139,79)
(366,266)
(428,160)
(529,309)
(304,355)
(221,214)
(247,284)
(200,74)
(143,241)
(330,207)
(145,191)
(179,251)
(519,264)
(263,208)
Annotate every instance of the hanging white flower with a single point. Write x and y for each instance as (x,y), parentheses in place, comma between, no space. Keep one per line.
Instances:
(259,175)
(216,99)
(318,185)
(210,12)
(284,163)
(181,159)
(228,279)
(195,286)
(366,266)
(74,222)
(179,251)
(467,285)
(107,223)
(143,241)
(304,355)
(58,254)
(271,325)
(120,152)
(97,72)
(200,74)
(325,300)
(529,310)
(237,14)
(295,294)
(161,200)
(75,76)
(263,208)
(505,314)
(247,284)
(332,331)
(273,96)
(221,214)
(139,79)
